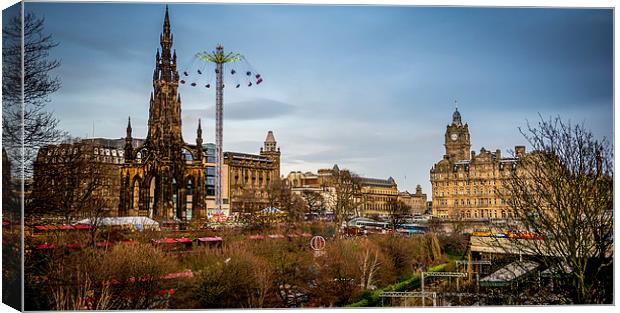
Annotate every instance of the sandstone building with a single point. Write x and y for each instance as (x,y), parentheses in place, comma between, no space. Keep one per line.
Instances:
(416,201)
(464,183)
(374,197)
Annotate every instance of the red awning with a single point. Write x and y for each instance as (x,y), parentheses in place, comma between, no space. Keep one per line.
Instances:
(166,240)
(82,226)
(45,246)
(184,240)
(40,227)
(103,244)
(65,227)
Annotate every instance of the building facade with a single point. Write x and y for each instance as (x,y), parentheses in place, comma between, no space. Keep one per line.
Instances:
(464,184)
(416,201)
(251,175)
(377,195)
(374,197)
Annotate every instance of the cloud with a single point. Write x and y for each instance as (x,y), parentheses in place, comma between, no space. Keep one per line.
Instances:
(255,109)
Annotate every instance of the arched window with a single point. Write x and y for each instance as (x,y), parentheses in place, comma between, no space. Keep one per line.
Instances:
(187,155)
(136,195)
(189,197)
(152,196)
(175,198)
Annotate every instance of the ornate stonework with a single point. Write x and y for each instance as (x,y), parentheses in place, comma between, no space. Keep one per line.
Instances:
(164,177)
(465,184)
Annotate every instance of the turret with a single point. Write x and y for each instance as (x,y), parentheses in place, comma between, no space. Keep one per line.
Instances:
(270,142)
(269,150)
(164,125)
(199,142)
(128,142)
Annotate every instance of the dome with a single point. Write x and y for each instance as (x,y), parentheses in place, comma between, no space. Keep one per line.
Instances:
(456,118)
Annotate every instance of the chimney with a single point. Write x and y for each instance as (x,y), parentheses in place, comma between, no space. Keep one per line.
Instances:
(498,154)
(520,151)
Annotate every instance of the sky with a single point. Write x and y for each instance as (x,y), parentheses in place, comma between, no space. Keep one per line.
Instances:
(370,88)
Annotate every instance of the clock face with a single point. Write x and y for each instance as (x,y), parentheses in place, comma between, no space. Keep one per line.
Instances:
(454,137)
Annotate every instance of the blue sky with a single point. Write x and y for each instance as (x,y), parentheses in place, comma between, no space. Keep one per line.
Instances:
(371,88)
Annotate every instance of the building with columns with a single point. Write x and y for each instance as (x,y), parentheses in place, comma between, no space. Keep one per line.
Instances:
(250,175)
(465,184)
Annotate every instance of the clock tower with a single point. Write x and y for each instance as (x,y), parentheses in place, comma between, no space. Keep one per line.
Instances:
(457,140)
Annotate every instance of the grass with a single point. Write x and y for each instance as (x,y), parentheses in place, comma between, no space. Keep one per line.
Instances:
(372,298)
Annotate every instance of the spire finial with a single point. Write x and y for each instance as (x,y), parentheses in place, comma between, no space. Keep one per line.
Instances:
(456,116)
(199,124)
(166,19)
(128,138)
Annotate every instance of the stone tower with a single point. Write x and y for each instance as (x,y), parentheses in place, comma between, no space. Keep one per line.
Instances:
(272,152)
(163,178)
(457,141)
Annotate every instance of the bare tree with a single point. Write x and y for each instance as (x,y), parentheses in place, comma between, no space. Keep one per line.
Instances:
(40,127)
(563,192)
(347,187)
(397,212)
(315,201)
(68,178)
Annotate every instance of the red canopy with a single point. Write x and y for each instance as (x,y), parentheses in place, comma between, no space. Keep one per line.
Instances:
(82,226)
(40,227)
(65,227)
(45,246)
(184,240)
(166,240)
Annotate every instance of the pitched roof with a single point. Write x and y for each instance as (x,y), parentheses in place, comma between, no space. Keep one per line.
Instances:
(270,137)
